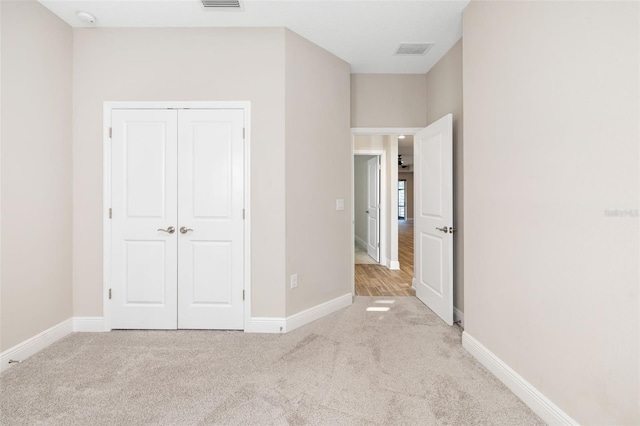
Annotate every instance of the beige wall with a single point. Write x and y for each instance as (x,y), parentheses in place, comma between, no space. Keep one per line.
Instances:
(369,142)
(408,176)
(444,96)
(388,100)
(36,171)
(318,240)
(181,65)
(551,107)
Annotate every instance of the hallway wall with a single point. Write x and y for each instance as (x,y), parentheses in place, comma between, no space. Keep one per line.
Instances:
(318,241)
(388,100)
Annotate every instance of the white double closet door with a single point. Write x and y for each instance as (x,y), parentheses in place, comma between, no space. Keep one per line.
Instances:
(177,232)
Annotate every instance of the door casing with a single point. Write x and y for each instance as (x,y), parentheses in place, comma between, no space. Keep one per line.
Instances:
(245,106)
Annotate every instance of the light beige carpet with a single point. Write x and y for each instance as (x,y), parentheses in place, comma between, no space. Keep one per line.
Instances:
(356,367)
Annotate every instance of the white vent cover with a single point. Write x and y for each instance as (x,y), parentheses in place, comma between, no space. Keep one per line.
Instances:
(413,48)
(222,4)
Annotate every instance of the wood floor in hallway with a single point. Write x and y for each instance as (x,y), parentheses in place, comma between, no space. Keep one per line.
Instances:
(378,280)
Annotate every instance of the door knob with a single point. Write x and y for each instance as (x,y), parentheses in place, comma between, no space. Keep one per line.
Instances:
(169,230)
(443,229)
(367,211)
(184,230)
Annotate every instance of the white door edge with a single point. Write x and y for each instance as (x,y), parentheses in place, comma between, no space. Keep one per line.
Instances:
(108,107)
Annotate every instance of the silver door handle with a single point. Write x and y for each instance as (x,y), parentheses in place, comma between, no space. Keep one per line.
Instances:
(184,230)
(443,229)
(169,230)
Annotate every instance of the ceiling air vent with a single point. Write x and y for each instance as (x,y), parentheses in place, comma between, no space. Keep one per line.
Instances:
(222,4)
(413,48)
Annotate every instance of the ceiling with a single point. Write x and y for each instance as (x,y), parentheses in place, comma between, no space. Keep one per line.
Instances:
(365,33)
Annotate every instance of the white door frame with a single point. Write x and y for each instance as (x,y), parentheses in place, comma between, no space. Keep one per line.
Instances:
(106,181)
(366,131)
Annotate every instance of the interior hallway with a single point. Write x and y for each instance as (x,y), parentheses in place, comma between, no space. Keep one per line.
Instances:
(378,280)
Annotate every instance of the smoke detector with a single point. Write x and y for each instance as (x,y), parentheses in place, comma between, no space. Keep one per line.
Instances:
(413,49)
(86,17)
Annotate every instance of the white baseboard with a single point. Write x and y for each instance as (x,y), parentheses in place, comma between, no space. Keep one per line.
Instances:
(88,324)
(361,243)
(540,404)
(458,315)
(394,265)
(266,325)
(31,346)
(284,325)
(317,312)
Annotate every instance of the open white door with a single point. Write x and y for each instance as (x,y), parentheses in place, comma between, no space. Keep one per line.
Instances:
(433,223)
(373,208)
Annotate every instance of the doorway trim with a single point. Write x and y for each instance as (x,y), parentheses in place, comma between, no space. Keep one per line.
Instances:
(373,131)
(108,106)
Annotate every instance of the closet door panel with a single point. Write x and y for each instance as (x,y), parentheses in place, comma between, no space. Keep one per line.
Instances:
(210,208)
(144,207)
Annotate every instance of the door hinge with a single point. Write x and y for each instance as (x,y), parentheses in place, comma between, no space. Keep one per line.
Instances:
(110,132)
(110,212)
(109,294)
(243,133)
(378,245)
(242,294)
(243,214)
